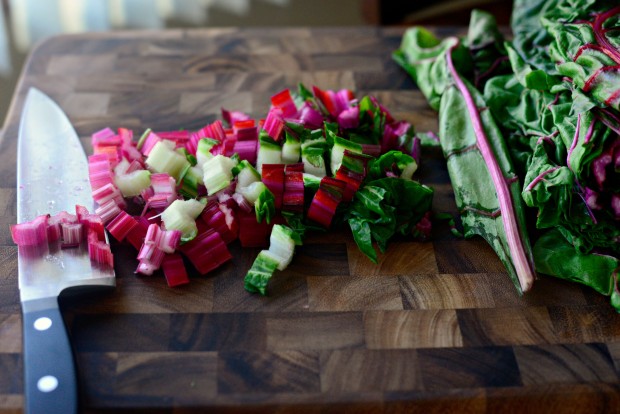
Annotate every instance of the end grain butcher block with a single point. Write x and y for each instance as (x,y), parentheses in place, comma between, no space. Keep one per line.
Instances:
(434,327)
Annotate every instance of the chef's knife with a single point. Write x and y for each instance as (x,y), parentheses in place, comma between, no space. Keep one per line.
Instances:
(52,176)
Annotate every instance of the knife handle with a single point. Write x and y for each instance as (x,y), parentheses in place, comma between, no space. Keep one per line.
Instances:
(49,371)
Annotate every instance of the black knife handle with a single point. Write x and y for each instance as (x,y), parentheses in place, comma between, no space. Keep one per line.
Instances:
(49,371)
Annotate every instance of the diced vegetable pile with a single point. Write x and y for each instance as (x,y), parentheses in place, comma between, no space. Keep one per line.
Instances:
(531,129)
(319,159)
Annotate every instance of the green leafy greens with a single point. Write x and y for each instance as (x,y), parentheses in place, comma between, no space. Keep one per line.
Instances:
(533,123)
(386,207)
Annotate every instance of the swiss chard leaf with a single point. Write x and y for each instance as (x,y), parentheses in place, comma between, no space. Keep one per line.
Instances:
(585,46)
(487,46)
(531,40)
(260,273)
(476,191)
(265,206)
(556,115)
(486,188)
(384,208)
(392,162)
(555,256)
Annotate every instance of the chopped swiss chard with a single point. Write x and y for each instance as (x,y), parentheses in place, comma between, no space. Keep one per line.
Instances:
(181,215)
(352,171)
(167,172)
(273,178)
(120,226)
(164,159)
(261,271)
(293,197)
(269,151)
(323,206)
(207,251)
(174,270)
(31,233)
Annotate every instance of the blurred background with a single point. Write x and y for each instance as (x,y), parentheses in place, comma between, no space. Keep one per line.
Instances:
(23,23)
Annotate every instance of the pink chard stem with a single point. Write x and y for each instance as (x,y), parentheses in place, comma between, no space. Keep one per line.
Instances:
(522,264)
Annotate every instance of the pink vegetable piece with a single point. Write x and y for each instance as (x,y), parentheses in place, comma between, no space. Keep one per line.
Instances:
(30,233)
(99,251)
(207,251)
(121,226)
(174,270)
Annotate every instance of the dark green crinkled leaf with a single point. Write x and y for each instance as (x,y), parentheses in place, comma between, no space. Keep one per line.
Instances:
(385,207)
(363,237)
(529,76)
(555,256)
(487,46)
(265,206)
(300,226)
(572,27)
(531,40)
(392,161)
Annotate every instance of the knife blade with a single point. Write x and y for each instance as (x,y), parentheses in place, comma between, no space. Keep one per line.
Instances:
(52,176)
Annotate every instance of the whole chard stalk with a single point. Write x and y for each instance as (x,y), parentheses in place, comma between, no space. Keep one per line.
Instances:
(513,223)
(486,188)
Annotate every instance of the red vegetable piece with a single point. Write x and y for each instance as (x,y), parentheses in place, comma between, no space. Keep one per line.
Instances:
(293,197)
(220,218)
(245,130)
(90,221)
(230,117)
(252,233)
(274,124)
(136,235)
(53,224)
(207,251)
(121,226)
(174,270)
(99,171)
(71,234)
(273,178)
(284,101)
(247,150)
(326,200)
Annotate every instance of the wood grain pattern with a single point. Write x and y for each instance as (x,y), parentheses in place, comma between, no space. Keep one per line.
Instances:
(434,327)
(437,328)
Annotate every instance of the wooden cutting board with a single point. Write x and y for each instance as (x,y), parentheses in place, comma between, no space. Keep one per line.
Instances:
(434,327)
